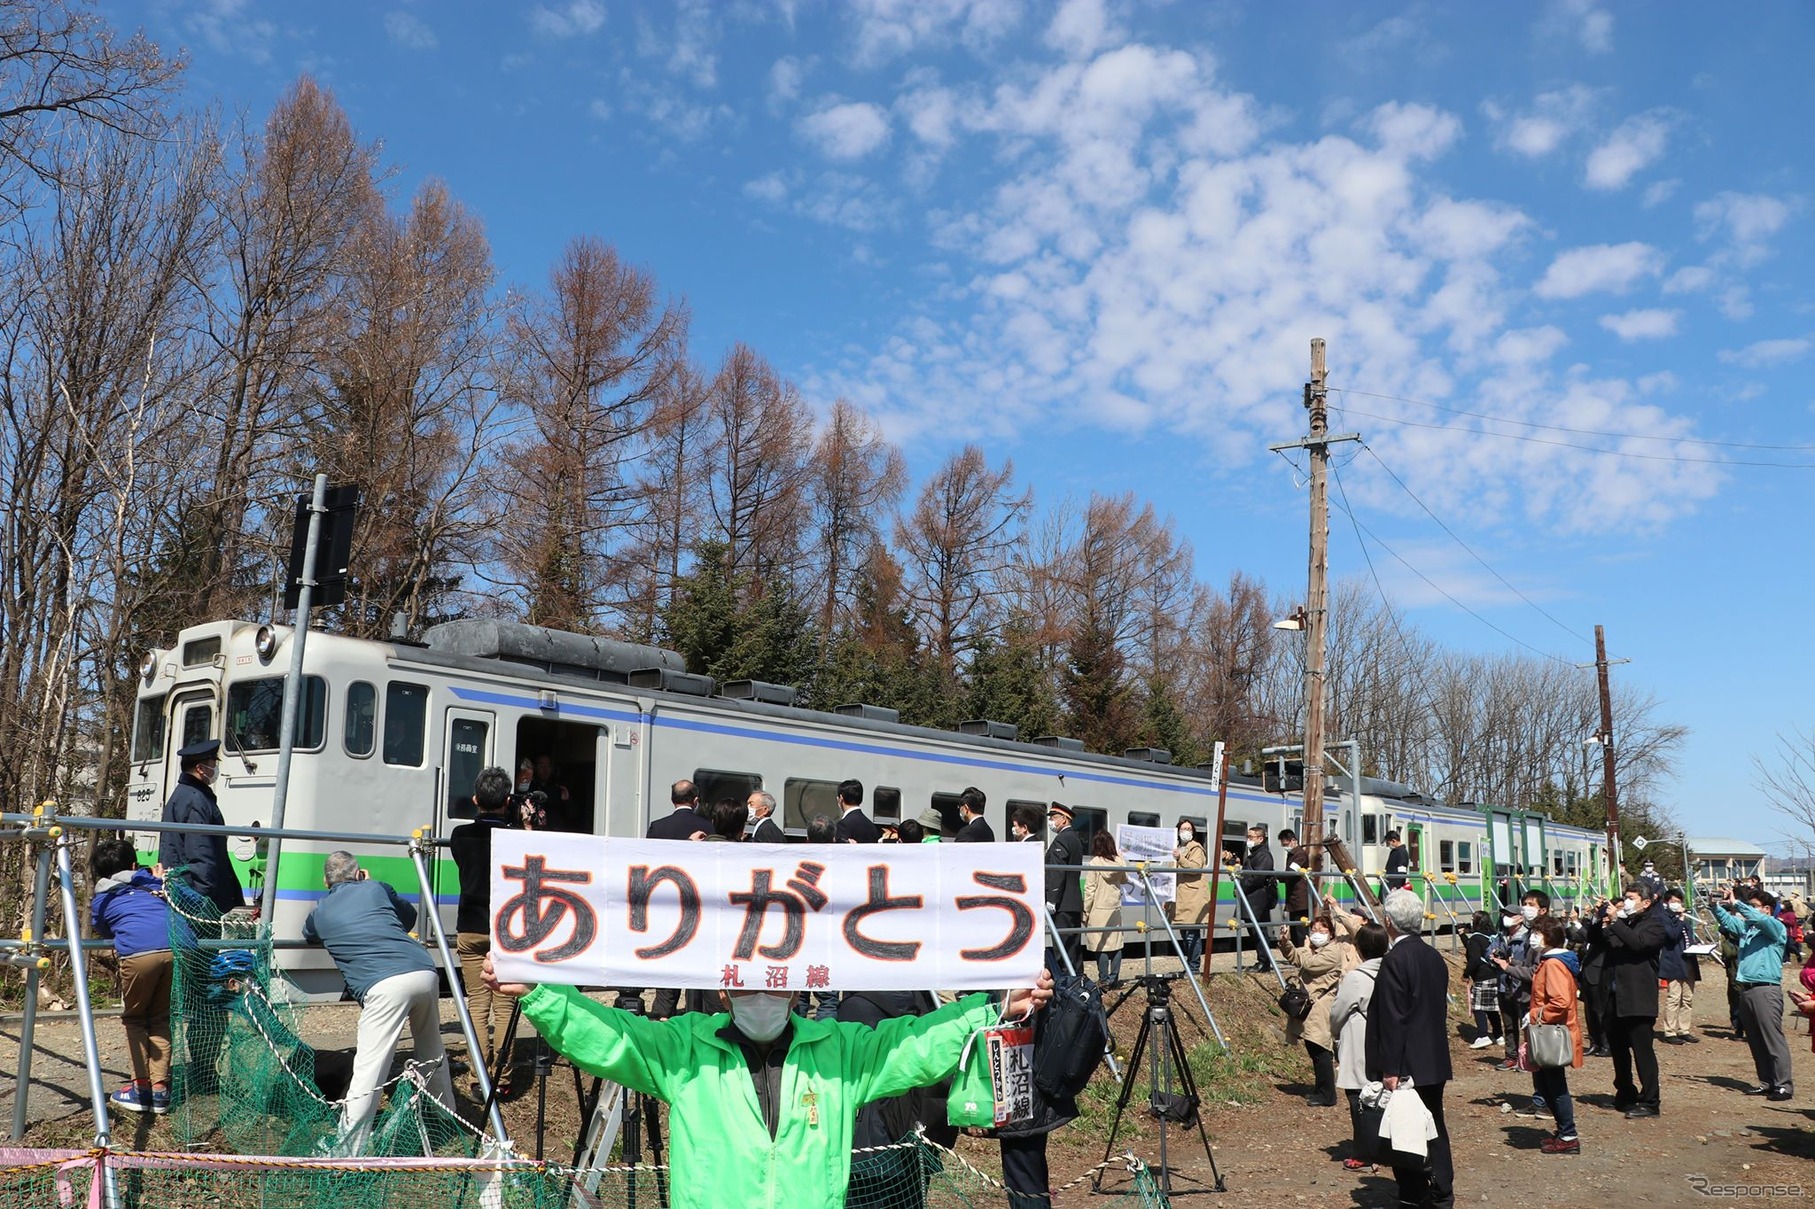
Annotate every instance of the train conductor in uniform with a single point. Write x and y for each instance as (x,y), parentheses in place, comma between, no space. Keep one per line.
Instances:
(1064,886)
(202,859)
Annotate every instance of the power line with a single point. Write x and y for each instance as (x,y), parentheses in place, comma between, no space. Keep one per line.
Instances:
(1363,529)
(1583,432)
(1471,552)
(1612,453)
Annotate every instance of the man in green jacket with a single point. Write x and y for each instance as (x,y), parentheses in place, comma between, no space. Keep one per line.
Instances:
(1746,917)
(761,1101)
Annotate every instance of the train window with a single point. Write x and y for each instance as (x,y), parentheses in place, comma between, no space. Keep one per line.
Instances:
(255,711)
(885,803)
(360,732)
(1143,818)
(947,806)
(1557,862)
(1465,857)
(801,800)
(148,729)
(406,716)
(1235,838)
(198,723)
(719,784)
(1446,856)
(1370,828)
(1039,808)
(466,749)
(1089,820)
(201,652)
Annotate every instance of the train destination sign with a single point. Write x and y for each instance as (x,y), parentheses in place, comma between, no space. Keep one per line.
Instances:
(593,911)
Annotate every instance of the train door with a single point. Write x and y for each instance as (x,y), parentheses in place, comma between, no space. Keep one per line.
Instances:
(466,748)
(1414,847)
(192,719)
(1500,868)
(1537,856)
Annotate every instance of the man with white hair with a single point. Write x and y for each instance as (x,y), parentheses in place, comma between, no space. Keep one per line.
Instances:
(762,809)
(1408,1041)
(365,926)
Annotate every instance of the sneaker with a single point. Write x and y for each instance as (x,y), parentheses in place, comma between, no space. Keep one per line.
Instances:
(1499,1041)
(1357,1165)
(132,1098)
(1509,1064)
(1561,1146)
(1481,1042)
(1535,1108)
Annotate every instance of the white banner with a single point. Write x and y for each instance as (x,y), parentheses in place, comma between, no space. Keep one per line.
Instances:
(592,911)
(1152,844)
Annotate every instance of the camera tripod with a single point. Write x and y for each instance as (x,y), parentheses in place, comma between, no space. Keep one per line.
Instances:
(1167,1067)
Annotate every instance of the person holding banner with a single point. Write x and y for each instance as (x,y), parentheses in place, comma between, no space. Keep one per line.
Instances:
(788,1146)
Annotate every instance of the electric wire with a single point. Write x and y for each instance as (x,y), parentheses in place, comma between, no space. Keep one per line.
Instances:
(1438,588)
(1508,584)
(1612,453)
(1583,432)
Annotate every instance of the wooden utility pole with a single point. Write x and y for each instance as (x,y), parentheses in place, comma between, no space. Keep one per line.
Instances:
(1609,786)
(1316,611)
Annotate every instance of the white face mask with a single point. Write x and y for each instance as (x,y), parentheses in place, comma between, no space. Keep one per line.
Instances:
(1676,908)
(1184,835)
(1512,921)
(762,1016)
(1319,939)
(1529,912)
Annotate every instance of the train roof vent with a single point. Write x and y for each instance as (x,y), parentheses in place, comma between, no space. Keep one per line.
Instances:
(872,713)
(759,690)
(1153,755)
(1062,742)
(989,729)
(551,650)
(668,680)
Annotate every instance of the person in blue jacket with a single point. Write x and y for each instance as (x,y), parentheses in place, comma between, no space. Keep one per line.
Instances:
(1746,916)
(129,907)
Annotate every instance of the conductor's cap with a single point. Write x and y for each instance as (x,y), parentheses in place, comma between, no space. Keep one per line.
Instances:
(196,753)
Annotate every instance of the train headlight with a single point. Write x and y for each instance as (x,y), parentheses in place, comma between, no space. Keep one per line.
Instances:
(148,666)
(265,643)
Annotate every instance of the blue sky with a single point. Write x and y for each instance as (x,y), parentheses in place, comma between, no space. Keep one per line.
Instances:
(1097,237)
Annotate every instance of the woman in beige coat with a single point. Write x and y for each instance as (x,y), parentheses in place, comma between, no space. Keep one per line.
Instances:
(1103,908)
(1189,909)
(1328,954)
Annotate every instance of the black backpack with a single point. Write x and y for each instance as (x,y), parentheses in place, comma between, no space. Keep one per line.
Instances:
(1069,1045)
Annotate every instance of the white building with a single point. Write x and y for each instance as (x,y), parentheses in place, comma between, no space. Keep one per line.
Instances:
(1718,858)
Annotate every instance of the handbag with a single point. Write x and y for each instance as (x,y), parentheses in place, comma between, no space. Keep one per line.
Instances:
(1550,1045)
(993,1086)
(1295,1001)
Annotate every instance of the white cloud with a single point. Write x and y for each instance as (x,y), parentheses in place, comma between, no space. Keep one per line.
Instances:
(409,31)
(1585,21)
(1690,279)
(771,188)
(1140,259)
(599,110)
(1745,221)
(1659,192)
(577,18)
(1766,353)
(1081,28)
(1611,268)
(887,29)
(1553,119)
(690,53)
(785,78)
(846,131)
(1635,145)
(1642,325)
(229,28)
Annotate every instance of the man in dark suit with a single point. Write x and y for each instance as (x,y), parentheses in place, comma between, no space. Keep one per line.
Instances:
(970,809)
(762,809)
(1298,890)
(686,821)
(1408,1040)
(1064,886)
(1635,935)
(1259,889)
(854,826)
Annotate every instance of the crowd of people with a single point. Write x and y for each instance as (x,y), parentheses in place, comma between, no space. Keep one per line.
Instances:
(1608,979)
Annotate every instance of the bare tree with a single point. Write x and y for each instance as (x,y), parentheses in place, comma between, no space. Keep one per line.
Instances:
(404,407)
(963,532)
(756,497)
(586,366)
(857,477)
(64,73)
(671,486)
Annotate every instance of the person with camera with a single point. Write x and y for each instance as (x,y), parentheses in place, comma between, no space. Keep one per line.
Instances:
(471,845)
(1553,1001)
(1680,971)
(1745,915)
(1328,954)
(1259,889)
(1635,933)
